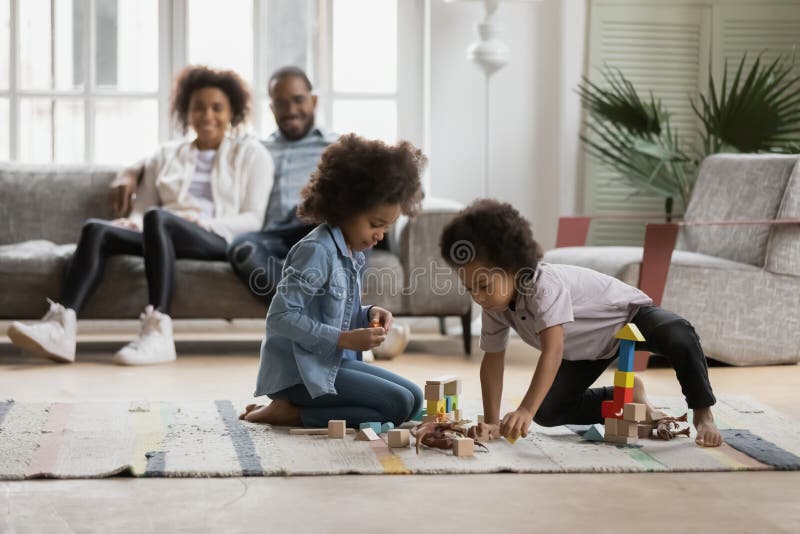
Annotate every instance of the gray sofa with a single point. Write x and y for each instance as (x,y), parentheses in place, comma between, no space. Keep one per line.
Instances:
(42,209)
(738,283)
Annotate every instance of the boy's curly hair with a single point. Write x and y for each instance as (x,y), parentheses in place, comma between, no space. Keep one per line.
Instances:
(493,233)
(195,77)
(355,174)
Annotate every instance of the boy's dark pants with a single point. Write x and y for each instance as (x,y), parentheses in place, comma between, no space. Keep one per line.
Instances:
(570,401)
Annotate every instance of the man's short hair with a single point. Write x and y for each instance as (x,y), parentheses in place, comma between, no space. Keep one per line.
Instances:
(287,72)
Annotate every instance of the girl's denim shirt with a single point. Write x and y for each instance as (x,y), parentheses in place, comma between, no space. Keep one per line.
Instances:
(318,297)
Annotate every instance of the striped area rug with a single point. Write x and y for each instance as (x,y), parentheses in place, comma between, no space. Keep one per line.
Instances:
(206,439)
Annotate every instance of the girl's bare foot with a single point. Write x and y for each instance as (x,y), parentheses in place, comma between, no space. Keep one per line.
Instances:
(249,408)
(640,397)
(708,434)
(277,412)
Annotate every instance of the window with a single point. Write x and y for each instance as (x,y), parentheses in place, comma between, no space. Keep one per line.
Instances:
(89,80)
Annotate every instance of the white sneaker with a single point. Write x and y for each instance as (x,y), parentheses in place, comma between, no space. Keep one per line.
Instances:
(52,337)
(396,342)
(367,356)
(154,344)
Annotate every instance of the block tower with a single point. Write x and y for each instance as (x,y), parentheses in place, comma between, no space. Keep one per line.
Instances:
(623,417)
(441,396)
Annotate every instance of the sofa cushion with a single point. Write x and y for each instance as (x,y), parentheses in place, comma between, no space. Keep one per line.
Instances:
(730,187)
(783,251)
(51,202)
(383,282)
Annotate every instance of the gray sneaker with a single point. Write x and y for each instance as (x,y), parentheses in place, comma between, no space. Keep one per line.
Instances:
(52,337)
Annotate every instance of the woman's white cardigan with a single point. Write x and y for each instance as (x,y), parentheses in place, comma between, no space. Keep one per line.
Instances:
(241,180)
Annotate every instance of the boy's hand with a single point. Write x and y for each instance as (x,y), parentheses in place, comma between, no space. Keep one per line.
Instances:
(516,423)
(362,338)
(382,317)
(484,432)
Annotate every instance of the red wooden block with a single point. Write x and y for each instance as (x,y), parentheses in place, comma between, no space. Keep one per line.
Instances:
(610,410)
(622,396)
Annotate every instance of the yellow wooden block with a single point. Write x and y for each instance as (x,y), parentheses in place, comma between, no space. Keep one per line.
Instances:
(623,379)
(437,407)
(630,332)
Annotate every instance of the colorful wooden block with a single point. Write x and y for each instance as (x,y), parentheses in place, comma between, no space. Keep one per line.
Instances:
(337,428)
(623,379)
(399,437)
(453,387)
(442,379)
(625,356)
(595,433)
(386,427)
(436,407)
(434,392)
(630,332)
(448,404)
(609,410)
(366,434)
(457,415)
(634,411)
(463,447)
(376,427)
(622,396)
(611,426)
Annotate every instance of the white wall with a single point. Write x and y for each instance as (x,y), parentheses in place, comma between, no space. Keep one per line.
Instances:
(535,115)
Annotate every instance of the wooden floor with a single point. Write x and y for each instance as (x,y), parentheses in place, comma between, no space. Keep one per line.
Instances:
(670,502)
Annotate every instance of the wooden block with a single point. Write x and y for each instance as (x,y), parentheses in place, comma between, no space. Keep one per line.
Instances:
(337,428)
(399,437)
(315,431)
(609,410)
(434,392)
(644,430)
(463,447)
(627,429)
(622,396)
(623,379)
(366,434)
(453,388)
(429,418)
(634,411)
(626,356)
(442,380)
(436,407)
(611,426)
(630,332)
(481,419)
(624,440)
(386,427)
(375,426)
(457,415)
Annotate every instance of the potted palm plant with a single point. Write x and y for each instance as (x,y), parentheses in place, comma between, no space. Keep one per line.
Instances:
(756,111)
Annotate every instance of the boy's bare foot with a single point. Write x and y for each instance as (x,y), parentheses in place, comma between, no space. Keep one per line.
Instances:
(640,397)
(708,434)
(277,412)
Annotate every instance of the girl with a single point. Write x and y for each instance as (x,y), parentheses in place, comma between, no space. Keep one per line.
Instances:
(311,364)
(571,314)
(194,196)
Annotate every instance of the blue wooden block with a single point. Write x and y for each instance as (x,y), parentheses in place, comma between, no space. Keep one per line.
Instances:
(385,427)
(373,425)
(449,407)
(626,350)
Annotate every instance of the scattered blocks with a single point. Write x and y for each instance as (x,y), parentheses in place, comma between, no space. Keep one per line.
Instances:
(463,447)
(337,428)
(386,427)
(634,411)
(399,437)
(366,434)
(376,427)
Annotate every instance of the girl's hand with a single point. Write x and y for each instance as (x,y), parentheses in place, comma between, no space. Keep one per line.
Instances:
(381,316)
(126,223)
(484,432)
(516,423)
(362,338)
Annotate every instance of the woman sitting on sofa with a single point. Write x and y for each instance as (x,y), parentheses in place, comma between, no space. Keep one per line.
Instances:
(194,196)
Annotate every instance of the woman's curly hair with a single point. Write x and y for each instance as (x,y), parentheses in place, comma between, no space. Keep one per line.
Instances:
(355,175)
(493,233)
(195,77)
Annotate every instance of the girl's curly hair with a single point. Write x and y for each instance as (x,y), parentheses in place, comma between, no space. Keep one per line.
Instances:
(195,77)
(493,233)
(355,174)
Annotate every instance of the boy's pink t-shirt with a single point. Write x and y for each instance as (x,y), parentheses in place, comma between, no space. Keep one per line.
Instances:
(590,305)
